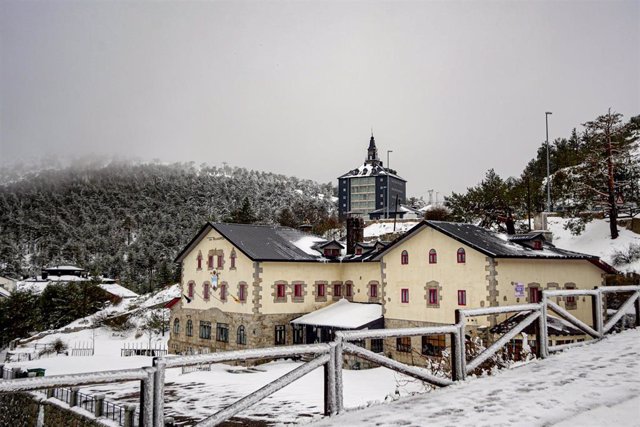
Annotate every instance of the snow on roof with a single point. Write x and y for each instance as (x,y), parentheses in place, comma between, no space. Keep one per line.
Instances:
(115,289)
(306,244)
(381,228)
(64,267)
(342,314)
(370,170)
(165,295)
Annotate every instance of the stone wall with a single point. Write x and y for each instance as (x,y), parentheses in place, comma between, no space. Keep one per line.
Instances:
(33,410)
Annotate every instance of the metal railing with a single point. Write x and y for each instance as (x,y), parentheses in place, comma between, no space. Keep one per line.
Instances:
(330,356)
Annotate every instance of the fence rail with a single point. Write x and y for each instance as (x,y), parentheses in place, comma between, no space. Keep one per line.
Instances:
(330,356)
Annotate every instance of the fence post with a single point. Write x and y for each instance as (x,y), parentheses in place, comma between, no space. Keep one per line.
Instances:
(158,391)
(456,363)
(598,324)
(541,331)
(98,409)
(50,392)
(73,396)
(338,380)
(129,415)
(637,307)
(146,398)
(461,322)
(330,383)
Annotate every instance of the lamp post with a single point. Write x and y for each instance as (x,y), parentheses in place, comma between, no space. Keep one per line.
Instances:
(388,172)
(546,120)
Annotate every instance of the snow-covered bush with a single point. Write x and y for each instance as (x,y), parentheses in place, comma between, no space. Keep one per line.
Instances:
(626,256)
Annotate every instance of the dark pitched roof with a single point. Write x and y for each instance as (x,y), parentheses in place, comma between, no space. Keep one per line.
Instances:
(489,243)
(526,236)
(262,242)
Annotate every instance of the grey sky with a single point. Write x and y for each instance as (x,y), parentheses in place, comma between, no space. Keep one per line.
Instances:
(453,88)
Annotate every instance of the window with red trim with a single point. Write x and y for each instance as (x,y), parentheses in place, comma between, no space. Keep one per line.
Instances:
(358,251)
(433,296)
(349,290)
(210,261)
(190,289)
(373,291)
(462,297)
(462,256)
(537,244)
(297,290)
(321,291)
(199,261)
(404,295)
(233,260)
(404,258)
(205,290)
(337,290)
(433,256)
(535,295)
(242,296)
(223,292)
(280,291)
(220,260)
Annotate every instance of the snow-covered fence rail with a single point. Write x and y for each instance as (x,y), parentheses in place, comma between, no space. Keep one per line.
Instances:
(325,355)
(144,375)
(138,349)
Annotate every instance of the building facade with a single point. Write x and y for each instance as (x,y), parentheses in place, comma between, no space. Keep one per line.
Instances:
(245,285)
(364,189)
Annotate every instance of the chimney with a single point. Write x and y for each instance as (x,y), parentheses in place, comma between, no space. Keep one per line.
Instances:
(355,233)
(511,226)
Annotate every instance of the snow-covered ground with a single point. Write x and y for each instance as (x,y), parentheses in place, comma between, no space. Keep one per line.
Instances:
(593,385)
(595,240)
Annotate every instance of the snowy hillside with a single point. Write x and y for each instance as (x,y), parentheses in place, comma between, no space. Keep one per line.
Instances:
(595,240)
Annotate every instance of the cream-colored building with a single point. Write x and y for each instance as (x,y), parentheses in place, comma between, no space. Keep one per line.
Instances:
(243,285)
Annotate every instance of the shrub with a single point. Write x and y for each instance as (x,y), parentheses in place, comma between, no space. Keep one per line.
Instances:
(626,256)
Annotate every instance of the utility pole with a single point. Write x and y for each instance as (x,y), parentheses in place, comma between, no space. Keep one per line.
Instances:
(388,172)
(546,120)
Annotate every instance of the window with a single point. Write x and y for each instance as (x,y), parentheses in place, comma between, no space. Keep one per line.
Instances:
(297,290)
(199,259)
(242,293)
(404,258)
(570,301)
(222,332)
(349,290)
(404,295)
(233,259)
(223,292)
(189,330)
(534,295)
(462,297)
(373,290)
(537,244)
(321,291)
(331,252)
(337,290)
(241,336)
(433,256)
(220,260)
(298,334)
(433,345)
(210,262)
(176,326)
(462,257)
(376,345)
(280,336)
(403,344)
(280,291)
(205,330)
(205,290)
(433,296)
(190,290)
(358,251)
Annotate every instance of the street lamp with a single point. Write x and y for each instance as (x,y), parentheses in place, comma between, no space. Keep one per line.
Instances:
(546,119)
(388,172)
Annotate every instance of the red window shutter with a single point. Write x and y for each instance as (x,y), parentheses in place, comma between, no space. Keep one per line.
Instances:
(462,297)
(220,260)
(280,291)
(210,261)
(461,256)
(433,296)
(199,262)
(337,290)
(297,290)
(374,291)
(404,295)
(233,261)
(321,290)
(223,292)
(190,290)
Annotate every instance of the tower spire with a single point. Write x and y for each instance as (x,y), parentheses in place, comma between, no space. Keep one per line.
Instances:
(372,152)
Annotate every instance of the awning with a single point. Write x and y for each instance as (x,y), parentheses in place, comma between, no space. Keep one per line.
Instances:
(342,314)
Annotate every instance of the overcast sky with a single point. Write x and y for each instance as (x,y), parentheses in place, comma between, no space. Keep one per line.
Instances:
(453,88)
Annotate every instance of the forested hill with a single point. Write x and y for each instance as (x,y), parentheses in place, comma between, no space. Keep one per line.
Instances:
(129,220)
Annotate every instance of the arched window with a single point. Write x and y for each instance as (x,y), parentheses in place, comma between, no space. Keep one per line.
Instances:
(189,330)
(433,256)
(404,257)
(205,290)
(462,257)
(241,336)
(176,326)
(190,290)
(233,259)
(199,259)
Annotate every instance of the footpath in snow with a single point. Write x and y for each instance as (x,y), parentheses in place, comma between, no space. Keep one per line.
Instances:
(593,385)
